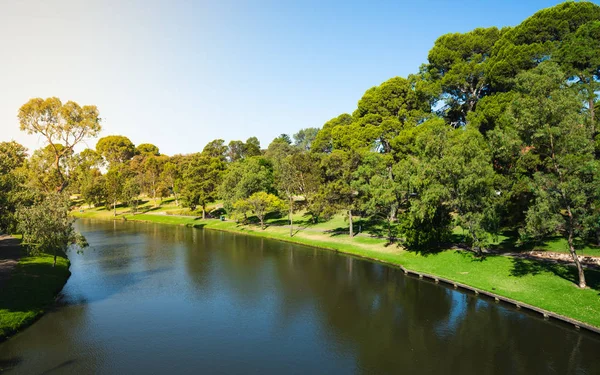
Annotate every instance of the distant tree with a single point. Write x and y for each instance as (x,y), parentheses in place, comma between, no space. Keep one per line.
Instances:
(245,178)
(152,168)
(201,177)
(147,149)
(131,193)
(260,204)
(252,147)
(170,175)
(115,149)
(115,179)
(323,141)
(305,137)
(60,124)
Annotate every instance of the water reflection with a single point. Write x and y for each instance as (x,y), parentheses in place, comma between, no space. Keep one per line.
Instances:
(151,298)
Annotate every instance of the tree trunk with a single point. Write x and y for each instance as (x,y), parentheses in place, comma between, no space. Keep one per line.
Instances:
(291,217)
(54,264)
(154,195)
(350,221)
(203,212)
(262,223)
(572,250)
(175,195)
(115,207)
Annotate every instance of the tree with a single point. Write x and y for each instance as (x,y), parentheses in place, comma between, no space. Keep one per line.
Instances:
(47,227)
(323,141)
(60,124)
(579,56)
(115,179)
(558,145)
(170,175)
(130,193)
(201,177)
(115,149)
(305,137)
(152,169)
(380,194)
(260,204)
(535,40)
(147,149)
(12,158)
(338,190)
(245,178)
(457,62)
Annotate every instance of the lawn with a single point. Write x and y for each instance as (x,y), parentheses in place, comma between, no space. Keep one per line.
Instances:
(32,287)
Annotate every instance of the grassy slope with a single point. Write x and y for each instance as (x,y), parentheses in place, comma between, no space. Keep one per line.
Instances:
(550,287)
(31,289)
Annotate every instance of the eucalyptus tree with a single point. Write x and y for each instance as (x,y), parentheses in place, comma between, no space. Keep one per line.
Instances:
(66,125)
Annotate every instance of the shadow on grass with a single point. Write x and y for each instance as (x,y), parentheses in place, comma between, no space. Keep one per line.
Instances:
(523,267)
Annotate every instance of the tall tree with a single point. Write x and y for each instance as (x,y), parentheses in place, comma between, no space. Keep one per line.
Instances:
(557,144)
(60,124)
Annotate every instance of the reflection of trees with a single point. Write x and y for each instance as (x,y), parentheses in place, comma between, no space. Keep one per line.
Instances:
(393,322)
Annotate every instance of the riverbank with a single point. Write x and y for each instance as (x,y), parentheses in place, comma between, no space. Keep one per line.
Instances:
(29,287)
(541,284)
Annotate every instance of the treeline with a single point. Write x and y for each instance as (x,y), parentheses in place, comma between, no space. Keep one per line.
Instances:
(496,131)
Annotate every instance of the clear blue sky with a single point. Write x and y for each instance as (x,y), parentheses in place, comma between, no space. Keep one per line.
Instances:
(181,73)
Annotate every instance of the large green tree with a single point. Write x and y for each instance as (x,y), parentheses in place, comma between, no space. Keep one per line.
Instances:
(65,124)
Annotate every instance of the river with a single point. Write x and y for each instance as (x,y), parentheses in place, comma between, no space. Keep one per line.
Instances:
(156,299)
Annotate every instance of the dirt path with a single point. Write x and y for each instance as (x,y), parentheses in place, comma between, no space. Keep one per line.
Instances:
(10,252)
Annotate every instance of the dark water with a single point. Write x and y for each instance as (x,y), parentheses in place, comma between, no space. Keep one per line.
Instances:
(152,299)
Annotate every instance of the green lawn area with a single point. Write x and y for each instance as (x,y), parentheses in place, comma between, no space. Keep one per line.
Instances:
(31,288)
(551,287)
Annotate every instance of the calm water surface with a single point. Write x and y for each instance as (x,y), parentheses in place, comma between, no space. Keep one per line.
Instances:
(152,299)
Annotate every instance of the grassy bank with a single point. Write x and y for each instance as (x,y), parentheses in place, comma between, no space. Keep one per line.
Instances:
(548,286)
(31,288)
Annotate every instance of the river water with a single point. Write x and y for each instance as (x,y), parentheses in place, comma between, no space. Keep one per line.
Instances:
(156,299)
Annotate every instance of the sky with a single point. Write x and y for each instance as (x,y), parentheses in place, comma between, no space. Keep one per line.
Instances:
(179,74)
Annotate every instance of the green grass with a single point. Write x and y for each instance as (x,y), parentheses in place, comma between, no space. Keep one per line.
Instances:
(548,286)
(32,287)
